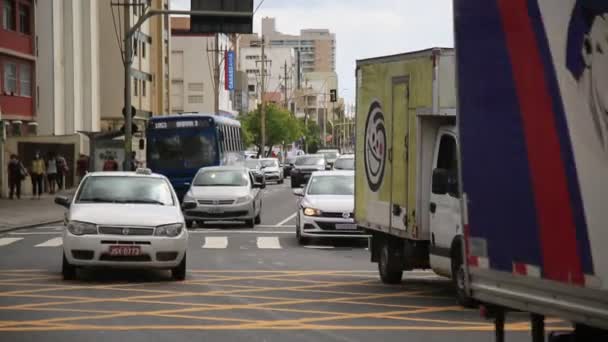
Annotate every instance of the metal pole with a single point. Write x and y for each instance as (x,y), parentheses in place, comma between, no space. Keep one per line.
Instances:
(129,32)
(285,89)
(128,62)
(216,74)
(263,106)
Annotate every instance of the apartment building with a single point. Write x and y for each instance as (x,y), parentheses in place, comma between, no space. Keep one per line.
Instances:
(316,47)
(150,72)
(193,61)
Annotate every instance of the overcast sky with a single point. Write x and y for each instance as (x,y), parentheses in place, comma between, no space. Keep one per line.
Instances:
(363,28)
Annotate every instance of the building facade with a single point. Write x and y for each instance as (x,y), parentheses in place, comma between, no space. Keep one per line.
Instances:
(68,72)
(18,67)
(150,70)
(280,73)
(316,47)
(193,61)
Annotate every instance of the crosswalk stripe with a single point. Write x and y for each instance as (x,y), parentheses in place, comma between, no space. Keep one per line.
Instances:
(54,242)
(8,241)
(268,242)
(216,242)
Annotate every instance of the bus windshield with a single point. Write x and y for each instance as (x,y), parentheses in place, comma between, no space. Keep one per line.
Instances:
(177,149)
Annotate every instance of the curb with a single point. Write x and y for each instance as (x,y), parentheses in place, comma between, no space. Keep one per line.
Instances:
(34,225)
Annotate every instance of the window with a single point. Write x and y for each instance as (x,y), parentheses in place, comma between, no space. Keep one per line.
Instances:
(195,86)
(25,80)
(24,19)
(143,49)
(447,164)
(135,90)
(8,15)
(195,99)
(143,88)
(10,78)
(251,88)
(135,45)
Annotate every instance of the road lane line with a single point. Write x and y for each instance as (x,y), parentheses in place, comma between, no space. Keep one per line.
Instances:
(37,233)
(216,242)
(268,242)
(54,242)
(240,232)
(318,247)
(291,217)
(8,241)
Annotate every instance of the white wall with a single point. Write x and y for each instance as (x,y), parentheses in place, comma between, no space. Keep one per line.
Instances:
(192,75)
(67,69)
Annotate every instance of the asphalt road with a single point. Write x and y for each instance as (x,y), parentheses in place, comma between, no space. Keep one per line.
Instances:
(257,285)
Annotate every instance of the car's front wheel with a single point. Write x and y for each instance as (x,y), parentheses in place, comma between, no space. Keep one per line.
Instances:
(294,182)
(250,223)
(189,223)
(68,270)
(179,272)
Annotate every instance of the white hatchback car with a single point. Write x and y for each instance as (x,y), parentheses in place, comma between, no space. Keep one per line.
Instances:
(326,206)
(125,220)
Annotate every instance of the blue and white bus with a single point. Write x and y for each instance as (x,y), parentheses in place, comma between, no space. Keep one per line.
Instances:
(179,145)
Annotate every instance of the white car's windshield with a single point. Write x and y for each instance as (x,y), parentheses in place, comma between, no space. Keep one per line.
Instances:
(221,178)
(345,164)
(310,161)
(252,163)
(269,163)
(330,154)
(332,185)
(115,189)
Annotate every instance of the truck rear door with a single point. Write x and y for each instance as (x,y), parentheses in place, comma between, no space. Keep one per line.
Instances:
(398,154)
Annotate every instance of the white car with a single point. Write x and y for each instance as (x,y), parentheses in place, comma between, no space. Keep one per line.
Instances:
(125,220)
(345,162)
(326,206)
(223,193)
(272,170)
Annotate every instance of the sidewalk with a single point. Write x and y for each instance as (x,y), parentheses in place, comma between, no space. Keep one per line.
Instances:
(28,212)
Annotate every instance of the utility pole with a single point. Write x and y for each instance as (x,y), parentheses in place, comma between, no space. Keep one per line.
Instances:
(128,60)
(263,105)
(285,88)
(216,74)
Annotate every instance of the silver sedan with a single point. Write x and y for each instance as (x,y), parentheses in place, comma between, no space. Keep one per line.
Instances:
(223,194)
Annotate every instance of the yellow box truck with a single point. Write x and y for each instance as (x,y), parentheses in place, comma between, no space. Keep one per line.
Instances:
(406,192)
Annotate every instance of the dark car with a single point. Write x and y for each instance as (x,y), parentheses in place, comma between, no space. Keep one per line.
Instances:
(288,165)
(255,167)
(304,166)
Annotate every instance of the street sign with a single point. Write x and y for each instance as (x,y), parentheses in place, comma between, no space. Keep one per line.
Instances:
(333,95)
(221,24)
(229,70)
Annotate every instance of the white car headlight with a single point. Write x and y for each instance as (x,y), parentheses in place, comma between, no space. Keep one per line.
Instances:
(82,228)
(189,197)
(312,212)
(170,230)
(244,199)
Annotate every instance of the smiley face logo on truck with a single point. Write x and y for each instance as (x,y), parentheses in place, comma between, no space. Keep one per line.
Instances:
(375,146)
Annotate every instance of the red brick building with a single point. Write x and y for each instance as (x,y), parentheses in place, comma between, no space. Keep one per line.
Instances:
(18,66)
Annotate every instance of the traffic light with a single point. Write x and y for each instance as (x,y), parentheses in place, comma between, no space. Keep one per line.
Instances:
(333,95)
(221,24)
(134,128)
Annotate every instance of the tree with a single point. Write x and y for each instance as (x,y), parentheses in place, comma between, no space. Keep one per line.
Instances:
(281,127)
(311,134)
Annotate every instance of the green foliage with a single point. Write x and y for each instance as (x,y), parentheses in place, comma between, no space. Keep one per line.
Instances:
(281,127)
(312,134)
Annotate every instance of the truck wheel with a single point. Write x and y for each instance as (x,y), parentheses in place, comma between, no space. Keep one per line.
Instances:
(458,278)
(390,272)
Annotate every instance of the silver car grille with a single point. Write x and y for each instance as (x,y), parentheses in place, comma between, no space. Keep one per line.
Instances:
(216,202)
(127,231)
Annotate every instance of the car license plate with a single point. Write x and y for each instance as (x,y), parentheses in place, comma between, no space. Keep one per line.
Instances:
(216,210)
(346,226)
(125,250)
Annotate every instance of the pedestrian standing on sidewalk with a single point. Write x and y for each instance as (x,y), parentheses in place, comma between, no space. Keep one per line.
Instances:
(51,172)
(16,174)
(62,171)
(37,173)
(82,167)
